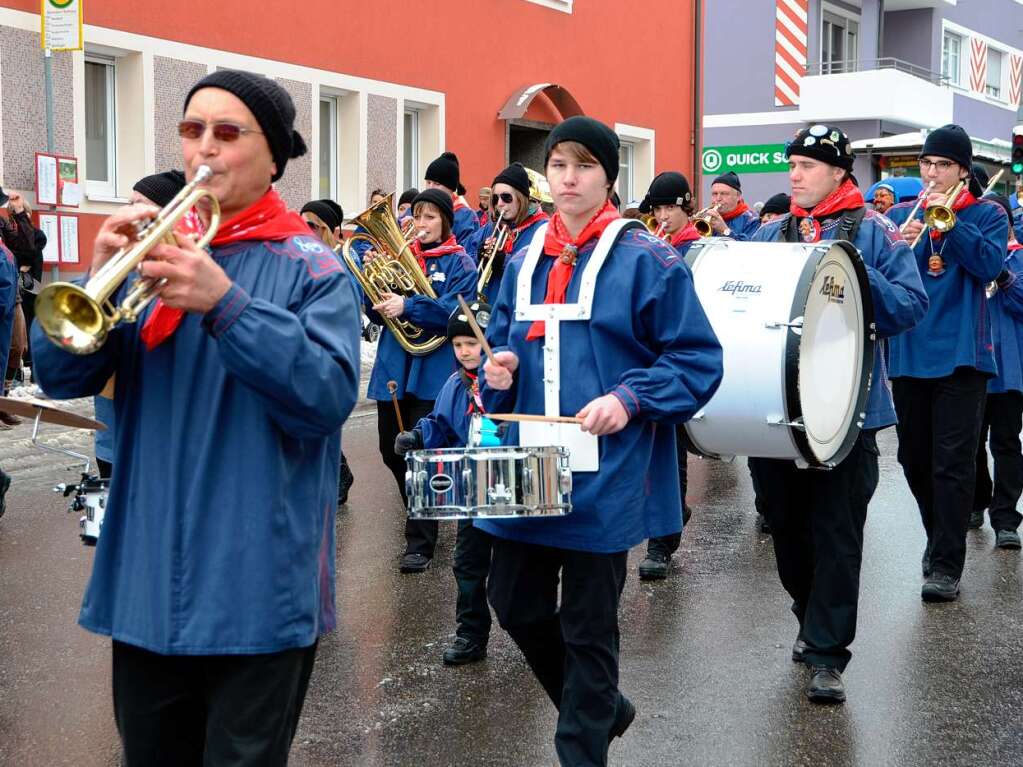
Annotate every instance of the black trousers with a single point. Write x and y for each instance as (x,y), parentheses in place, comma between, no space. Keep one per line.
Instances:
(420,535)
(1003,420)
(208,711)
(939,430)
(817,520)
(572,648)
(471,567)
(668,544)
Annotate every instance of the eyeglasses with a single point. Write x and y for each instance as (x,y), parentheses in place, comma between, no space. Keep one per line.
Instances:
(505,197)
(222,131)
(939,164)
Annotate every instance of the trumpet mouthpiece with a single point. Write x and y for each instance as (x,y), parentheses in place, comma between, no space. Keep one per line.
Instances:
(203,174)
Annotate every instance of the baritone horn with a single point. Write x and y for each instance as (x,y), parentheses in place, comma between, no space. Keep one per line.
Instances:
(79,319)
(394,270)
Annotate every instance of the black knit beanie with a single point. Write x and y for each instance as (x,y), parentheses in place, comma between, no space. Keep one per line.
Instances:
(328,211)
(728,179)
(458,325)
(778,203)
(269,103)
(669,188)
(407,196)
(949,141)
(444,170)
(161,187)
(592,134)
(441,199)
(514,176)
(825,143)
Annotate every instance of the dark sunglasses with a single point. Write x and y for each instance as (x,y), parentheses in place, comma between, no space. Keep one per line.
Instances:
(225,132)
(505,197)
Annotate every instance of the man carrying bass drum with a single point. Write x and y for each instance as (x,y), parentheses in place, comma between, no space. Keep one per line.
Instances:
(817,517)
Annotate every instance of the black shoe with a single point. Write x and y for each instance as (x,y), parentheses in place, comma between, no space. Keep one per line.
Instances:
(655,567)
(464,651)
(1007,539)
(5,483)
(976,520)
(825,685)
(940,588)
(414,563)
(925,562)
(344,484)
(687,513)
(799,651)
(763,525)
(626,713)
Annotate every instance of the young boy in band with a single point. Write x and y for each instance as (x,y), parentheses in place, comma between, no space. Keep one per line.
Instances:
(447,425)
(817,517)
(940,368)
(645,360)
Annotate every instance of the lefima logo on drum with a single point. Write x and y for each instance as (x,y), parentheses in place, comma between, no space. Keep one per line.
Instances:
(738,287)
(833,289)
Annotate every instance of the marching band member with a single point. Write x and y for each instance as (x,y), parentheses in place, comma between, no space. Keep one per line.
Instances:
(483,212)
(647,358)
(817,517)
(777,205)
(443,173)
(512,205)
(214,575)
(419,377)
(1003,407)
(884,197)
(671,202)
(939,370)
(731,217)
(405,203)
(448,426)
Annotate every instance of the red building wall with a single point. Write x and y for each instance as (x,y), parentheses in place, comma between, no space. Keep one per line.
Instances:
(623,63)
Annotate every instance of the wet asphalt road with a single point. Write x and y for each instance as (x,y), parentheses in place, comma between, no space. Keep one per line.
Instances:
(705,655)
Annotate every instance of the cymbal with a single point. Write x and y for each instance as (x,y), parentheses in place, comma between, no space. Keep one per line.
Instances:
(50,413)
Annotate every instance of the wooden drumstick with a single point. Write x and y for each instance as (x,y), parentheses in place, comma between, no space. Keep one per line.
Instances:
(535,418)
(475,328)
(392,387)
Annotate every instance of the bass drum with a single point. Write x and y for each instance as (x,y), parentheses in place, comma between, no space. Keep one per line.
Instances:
(796,324)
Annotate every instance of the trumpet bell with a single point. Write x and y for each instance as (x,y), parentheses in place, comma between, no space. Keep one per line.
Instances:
(71,318)
(703,227)
(940,218)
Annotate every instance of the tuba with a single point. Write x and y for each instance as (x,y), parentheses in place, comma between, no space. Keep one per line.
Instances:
(79,319)
(394,270)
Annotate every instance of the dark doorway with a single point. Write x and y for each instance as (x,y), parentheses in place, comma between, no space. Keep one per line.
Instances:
(525,143)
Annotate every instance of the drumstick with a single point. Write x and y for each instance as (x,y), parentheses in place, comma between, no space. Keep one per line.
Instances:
(392,387)
(535,418)
(475,328)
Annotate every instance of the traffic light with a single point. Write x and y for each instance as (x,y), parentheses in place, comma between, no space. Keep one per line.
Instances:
(1017,151)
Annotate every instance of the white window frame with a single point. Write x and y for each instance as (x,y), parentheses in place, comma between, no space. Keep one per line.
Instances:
(851,56)
(330,144)
(410,164)
(955,77)
(1003,92)
(106,188)
(643,143)
(627,173)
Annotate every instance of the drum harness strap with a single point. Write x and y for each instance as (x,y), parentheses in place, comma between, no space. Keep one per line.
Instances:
(847,227)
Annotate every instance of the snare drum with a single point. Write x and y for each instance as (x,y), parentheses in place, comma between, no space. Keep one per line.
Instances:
(795,322)
(492,482)
(91,500)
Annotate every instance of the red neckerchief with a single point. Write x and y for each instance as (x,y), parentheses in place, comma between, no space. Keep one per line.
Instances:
(266,219)
(510,242)
(1014,246)
(558,242)
(739,209)
(448,246)
(846,197)
(472,390)
(686,234)
(482,217)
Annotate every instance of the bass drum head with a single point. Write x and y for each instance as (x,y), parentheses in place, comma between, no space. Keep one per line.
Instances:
(835,354)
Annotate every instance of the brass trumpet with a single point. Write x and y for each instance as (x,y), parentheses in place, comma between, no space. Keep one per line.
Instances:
(79,319)
(941,218)
(394,270)
(489,254)
(702,221)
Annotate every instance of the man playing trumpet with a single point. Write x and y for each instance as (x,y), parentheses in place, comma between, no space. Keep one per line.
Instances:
(214,574)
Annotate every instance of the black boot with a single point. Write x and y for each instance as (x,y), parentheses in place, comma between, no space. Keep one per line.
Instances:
(464,650)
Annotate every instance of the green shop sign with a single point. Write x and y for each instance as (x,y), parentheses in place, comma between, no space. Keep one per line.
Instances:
(752,158)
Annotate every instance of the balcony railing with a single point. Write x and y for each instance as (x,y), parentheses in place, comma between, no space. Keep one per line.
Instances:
(864,65)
